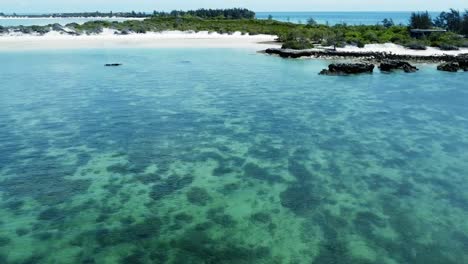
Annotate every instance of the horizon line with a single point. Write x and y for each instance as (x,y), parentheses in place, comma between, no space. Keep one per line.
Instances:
(260,11)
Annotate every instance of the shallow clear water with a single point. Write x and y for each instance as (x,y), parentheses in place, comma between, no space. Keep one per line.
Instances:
(228,156)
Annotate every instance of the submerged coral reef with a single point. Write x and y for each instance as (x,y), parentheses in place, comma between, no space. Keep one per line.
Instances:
(272,165)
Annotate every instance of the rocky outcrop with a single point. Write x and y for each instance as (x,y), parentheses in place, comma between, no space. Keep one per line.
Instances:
(390,65)
(112,64)
(348,68)
(376,56)
(463,62)
(449,67)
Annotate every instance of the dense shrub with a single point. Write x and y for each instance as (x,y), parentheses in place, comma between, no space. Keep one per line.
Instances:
(297,44)
(416,45)
(448,47)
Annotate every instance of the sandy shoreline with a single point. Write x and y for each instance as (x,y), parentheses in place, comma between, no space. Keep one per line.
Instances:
(400,50)
(169,39)
(178,39)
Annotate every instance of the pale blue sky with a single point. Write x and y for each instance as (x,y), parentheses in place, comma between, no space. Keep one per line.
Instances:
(30,6)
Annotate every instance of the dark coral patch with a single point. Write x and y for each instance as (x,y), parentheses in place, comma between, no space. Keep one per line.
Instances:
(46,183)
(222,170)
(300,199)
(22,231)
(183,217)
(218,216)
(148,178)
(230,187)
(254,171)
(261,217)
(4,241)
(365,222)
(198,196)
(198,247)
(14,205)
(135,233)
(169,186)
(123,168)
(299,171)
(51,214)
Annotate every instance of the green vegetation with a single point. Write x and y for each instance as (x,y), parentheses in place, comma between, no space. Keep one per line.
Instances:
(157,24)
(231,13)
(421,20)
(453,21)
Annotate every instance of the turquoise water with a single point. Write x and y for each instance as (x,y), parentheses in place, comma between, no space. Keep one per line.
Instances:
(228,156)
(350,18)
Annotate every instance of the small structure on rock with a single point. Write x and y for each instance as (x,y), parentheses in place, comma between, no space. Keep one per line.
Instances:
(419,33)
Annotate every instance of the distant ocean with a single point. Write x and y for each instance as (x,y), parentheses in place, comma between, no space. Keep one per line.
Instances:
(332,18)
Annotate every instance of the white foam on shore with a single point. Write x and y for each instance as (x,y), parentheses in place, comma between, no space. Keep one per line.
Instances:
(107,39)
(400,50)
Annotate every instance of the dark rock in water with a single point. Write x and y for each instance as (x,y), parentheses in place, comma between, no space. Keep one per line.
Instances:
(449,67)
(391,65)
(113,64)
(348,68)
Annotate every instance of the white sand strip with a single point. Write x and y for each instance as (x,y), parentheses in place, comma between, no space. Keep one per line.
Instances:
(168,39)
(400,50)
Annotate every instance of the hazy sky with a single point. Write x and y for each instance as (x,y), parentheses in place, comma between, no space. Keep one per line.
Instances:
(30,6)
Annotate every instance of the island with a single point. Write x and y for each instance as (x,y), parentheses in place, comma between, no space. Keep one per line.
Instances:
(442,39)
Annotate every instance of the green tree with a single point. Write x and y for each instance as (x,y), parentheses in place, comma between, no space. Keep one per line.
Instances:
(452,20)
(464,25)
(421,20)
(311,22)
(388,23)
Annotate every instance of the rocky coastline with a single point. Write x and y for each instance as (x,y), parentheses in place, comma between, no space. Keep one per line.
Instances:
(388,61)
(367,55)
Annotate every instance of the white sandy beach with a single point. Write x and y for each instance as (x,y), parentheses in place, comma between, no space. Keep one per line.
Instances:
(168,39)
(178,39)
(400,50)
